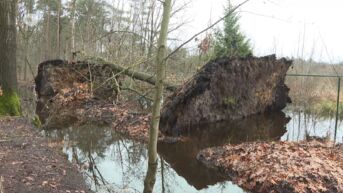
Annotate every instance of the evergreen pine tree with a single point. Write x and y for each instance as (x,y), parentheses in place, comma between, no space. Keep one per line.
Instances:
(231,42)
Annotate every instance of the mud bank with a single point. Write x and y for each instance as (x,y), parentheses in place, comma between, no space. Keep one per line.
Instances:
(32,164)
(280,167)
(227,89)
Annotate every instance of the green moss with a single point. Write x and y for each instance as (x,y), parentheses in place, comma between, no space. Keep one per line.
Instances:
(230,101)
(9,104)
(36,121)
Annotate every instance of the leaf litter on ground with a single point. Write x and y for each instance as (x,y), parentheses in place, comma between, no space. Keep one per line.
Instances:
(280,167)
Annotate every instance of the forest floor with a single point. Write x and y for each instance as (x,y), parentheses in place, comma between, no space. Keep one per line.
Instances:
(30,163)
(280,167)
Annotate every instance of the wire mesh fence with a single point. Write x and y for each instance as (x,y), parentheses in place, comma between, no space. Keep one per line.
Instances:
(316,106)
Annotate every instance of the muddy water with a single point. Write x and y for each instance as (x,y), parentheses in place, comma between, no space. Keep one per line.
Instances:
(113,163)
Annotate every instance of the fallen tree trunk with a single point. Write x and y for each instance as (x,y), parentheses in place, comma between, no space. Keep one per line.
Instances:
(227,89)
(139,75)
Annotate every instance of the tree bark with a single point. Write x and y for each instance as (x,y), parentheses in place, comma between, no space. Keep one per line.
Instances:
(59,28)
(47,52)
(150,178)
(8,74)
(160,71)
(73,7)
(9,101)
(151,37)
(140,76)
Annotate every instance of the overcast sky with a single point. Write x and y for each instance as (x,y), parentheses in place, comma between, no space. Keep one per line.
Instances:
(292,28)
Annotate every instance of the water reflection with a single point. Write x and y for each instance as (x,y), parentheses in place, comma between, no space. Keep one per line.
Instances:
(305,125)
(181,156)
(112,163)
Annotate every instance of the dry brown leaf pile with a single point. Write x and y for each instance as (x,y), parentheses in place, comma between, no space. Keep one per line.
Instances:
(280,167)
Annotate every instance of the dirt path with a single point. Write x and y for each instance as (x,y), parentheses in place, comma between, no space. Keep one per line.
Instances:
(29,163)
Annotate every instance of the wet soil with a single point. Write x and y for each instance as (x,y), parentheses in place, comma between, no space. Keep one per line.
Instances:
(31,163)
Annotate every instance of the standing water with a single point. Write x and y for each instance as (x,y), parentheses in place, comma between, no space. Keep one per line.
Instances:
(303,126)
(112,163)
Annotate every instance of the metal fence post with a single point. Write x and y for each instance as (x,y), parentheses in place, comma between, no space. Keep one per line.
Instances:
(337,107)
(338,93)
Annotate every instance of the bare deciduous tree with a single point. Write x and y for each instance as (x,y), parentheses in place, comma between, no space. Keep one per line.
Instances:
(160,72)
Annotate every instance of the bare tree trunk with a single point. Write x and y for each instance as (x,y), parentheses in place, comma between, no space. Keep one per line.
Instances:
(26,41)
(151,37)
(73,7)
(150,178)
(47,53)
(59,28)
(9,101)
(26,56)
(160,70)
(8,75)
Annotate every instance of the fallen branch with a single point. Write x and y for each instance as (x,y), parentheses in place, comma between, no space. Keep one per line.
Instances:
(137,92)
(140,75)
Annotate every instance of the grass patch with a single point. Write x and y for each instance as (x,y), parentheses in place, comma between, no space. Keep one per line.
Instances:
(9,104)
(327,109)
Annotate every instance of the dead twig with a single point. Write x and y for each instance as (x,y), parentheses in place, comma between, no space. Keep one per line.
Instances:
(137,92)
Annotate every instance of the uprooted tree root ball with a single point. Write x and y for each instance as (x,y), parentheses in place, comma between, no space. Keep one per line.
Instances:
(227,89)
(80,92)
(280,167)
(65,98)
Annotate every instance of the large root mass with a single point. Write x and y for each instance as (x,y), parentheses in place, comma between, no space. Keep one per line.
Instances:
(227,89)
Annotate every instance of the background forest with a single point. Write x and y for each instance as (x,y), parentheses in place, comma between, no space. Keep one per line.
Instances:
(125,32)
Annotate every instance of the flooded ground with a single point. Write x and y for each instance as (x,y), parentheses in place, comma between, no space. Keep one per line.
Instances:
(113,163)
(302,125)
